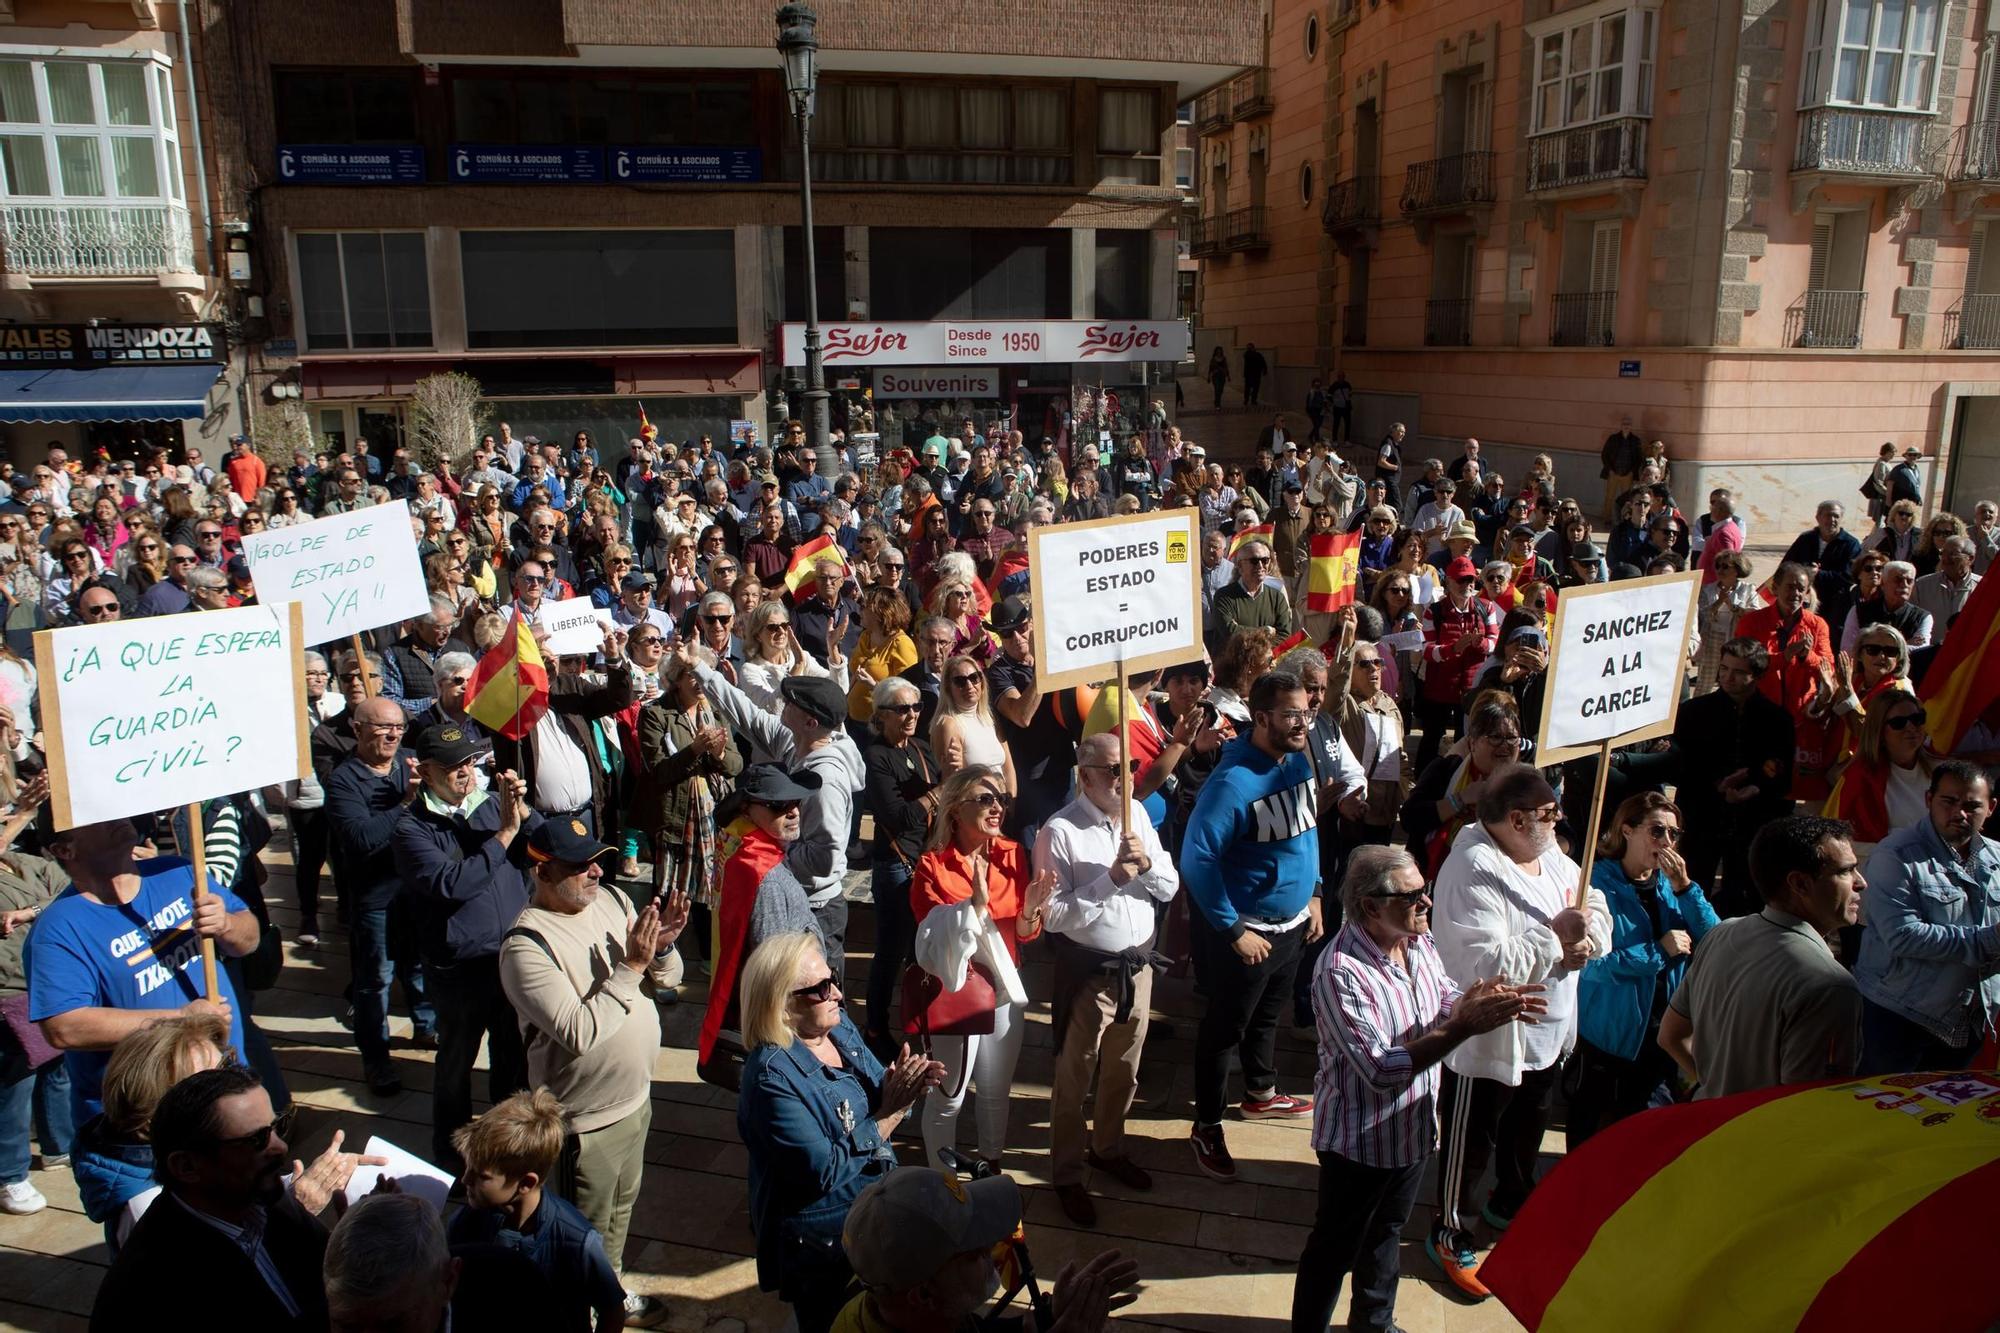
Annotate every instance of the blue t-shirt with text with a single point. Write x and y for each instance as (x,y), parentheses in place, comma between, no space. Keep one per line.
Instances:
(84,954)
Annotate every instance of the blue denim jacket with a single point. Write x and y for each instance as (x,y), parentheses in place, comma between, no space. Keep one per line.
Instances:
(1931,950)
(814,1147)
(1614,999)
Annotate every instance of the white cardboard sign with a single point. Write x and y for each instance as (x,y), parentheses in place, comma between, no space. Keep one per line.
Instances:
(144,715)
(352,572)
(1619,651)
(574,626)
(1112,589)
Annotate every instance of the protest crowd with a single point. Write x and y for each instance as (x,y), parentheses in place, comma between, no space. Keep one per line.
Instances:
(803,693)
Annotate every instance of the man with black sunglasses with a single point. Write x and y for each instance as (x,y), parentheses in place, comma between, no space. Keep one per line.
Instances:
(1253,601)
(170,595)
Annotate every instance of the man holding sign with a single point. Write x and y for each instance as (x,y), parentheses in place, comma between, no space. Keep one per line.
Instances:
(122,946)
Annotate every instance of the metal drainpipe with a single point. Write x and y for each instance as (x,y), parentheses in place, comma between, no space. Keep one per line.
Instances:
(205,252)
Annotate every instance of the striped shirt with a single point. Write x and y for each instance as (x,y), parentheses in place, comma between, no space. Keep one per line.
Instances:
(1373,1107)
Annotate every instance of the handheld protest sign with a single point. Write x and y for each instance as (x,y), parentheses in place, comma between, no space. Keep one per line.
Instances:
(1112,590)
(576,625)
(142,715)
(352,572)
(1617,657)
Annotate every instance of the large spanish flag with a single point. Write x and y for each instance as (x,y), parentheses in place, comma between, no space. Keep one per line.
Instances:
(1830,1206)
(802,575)
(1333,570)
(1262,532)
(509,689)
(1964,677)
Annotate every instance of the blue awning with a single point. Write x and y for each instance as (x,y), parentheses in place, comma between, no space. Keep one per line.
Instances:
(114,393)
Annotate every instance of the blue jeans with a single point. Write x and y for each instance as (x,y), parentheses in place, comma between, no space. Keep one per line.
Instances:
(374,963)
(32,1101)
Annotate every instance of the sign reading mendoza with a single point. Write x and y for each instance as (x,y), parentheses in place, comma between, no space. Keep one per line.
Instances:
(143,715)
(1115,589)
(1619,651)
(353,572)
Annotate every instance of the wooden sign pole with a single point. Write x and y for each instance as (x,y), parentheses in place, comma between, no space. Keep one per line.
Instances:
(361,664)
(1596,817)
(196,854)
(1124,751)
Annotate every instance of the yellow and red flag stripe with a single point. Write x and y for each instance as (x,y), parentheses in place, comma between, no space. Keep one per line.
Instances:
(1964,677)
(1333,570)
(509,688)
(1849,1195)
(802,575)
(1262,532)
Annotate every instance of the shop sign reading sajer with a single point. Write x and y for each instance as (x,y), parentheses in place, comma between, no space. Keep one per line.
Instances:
(991,342)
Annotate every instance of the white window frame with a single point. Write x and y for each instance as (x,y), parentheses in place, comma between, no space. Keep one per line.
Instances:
(1636,64)
(1826,45)
(298,285)
(156,70)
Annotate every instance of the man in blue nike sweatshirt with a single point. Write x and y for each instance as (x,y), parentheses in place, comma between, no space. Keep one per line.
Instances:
(1250,861)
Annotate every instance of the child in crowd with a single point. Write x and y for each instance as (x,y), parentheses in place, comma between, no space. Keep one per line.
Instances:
(509,1155)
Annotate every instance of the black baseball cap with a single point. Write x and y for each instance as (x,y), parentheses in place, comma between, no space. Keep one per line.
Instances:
(447,743)
(816,696)
(567,839)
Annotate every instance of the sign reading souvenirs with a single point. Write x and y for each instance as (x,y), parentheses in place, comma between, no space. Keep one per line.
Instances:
(991,342)
(937,382)
(1619,651)
(89,346)
(347,164)
(1114,590)
(145,715)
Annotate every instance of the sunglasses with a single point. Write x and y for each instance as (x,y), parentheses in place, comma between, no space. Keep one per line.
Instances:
(1131,766)
(644,639)
(1545,814)
(968,678)
(1664,833)
(901,709)
(1413,896)
(532,580)
(259,1139)
(988,800)
(1906,721)
(780,808)
(718,620)
(100,611)
(181,560)
(1878,649)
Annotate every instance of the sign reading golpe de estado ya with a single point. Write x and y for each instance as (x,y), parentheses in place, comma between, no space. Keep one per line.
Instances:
(1115,589)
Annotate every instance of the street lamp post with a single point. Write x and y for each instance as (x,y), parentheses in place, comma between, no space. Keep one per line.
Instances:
(800,50)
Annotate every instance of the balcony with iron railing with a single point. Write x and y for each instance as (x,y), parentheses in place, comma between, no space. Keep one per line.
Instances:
(1250,94)
(1211,110)
(1974,323)
(1354,325)
(62,240)
(1205,236)
(1826,319)
(1850,143)
(1247,228)
(1977,154)
(1350,205)
(1448,323)
(1583,319)
(1453,184)
(1588,155)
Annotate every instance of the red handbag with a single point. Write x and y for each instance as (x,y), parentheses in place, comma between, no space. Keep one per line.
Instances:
(929,1010)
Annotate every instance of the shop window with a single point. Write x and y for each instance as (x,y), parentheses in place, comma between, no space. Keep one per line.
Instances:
(1124,274)
(1128,136)
(344,106)
(89,130)
(363,289)
(968,273)
(599,288)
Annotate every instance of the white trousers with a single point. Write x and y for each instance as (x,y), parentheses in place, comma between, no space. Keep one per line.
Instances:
(985,1063)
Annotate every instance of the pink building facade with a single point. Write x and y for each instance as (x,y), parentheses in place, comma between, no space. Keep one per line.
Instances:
(1758,229)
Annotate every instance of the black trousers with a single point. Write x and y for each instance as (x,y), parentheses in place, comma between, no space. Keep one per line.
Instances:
(470,1007)
(308,860)
(1245,1002)
(1358,1228)
(1485,1120)
(1435,718)
(1604,1088)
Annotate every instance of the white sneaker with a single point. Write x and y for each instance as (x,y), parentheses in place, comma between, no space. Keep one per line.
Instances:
(643,1311)
(21,1198)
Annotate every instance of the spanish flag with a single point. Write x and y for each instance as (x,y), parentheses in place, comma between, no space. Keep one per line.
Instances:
(1333,570)
(802,576)
(1964,677)
(1862,1204)
(509,689)
(1261,533)
(647,430)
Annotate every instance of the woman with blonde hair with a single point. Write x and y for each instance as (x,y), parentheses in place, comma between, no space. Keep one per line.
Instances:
(954,599)
(1941,528)
(1883,786)
(1723,603)
(1898,536)
(963,733)
(975,903)
(815,1113)
(771,652)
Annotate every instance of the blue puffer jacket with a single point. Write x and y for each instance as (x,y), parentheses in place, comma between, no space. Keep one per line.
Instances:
(1614,1000)
(109,1175)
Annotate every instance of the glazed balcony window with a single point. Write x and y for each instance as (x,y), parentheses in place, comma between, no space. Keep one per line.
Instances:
(1594,65)
(1881,54)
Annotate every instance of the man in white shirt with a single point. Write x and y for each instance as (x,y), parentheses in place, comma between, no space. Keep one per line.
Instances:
(1502,908)
(1099,921)
(1943,593)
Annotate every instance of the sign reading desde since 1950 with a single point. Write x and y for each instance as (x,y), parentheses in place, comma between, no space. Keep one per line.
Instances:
(991,342)
(1618,653)
(1115,588)
(144,715)
(353,572)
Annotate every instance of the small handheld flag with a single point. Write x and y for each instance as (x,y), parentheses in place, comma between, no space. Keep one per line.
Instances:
(509,689)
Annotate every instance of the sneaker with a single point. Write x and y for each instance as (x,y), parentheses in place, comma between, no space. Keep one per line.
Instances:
(628,868)
(1277,1106)
(384,1082)
(1499,1221)
(21,1198)
(307,939)
(1459,1262)
(55,1161)
(1211,1154)
(643,1311)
